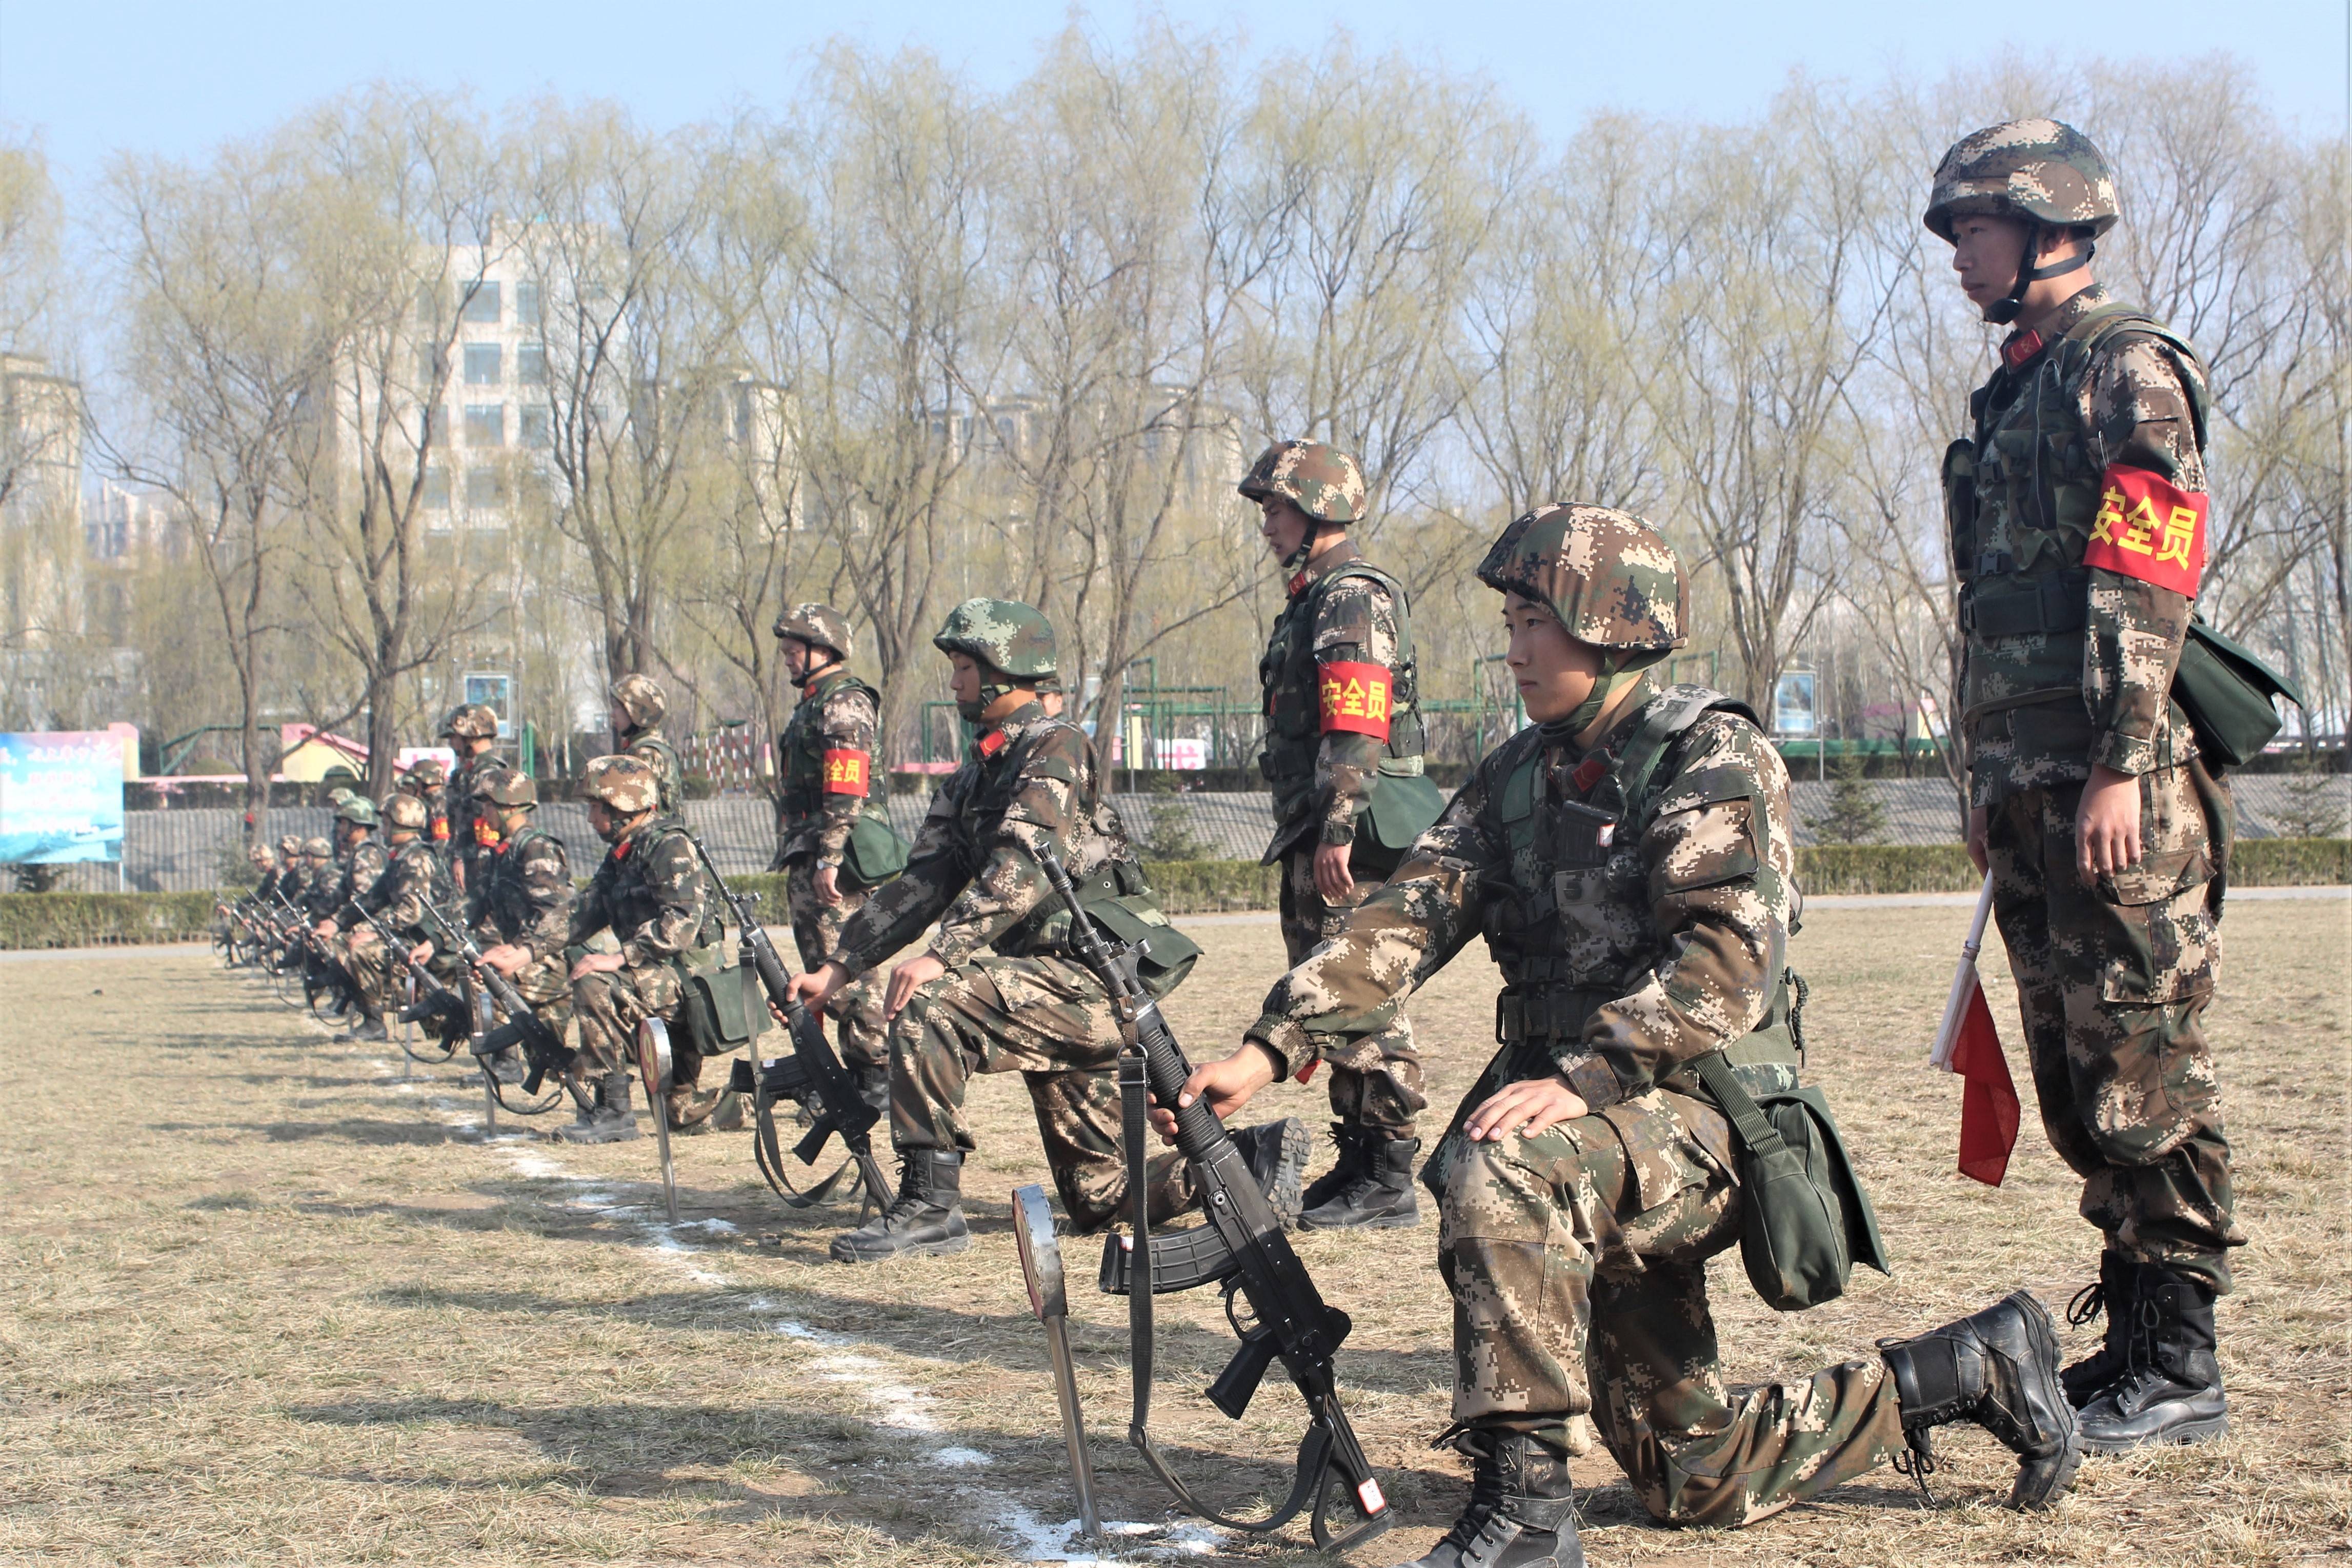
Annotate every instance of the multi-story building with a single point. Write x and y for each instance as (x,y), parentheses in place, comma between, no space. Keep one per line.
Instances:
(40,503)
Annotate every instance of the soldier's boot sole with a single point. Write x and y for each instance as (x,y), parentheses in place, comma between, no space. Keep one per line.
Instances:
(1276,1153)
(879,1242)
(601,1130)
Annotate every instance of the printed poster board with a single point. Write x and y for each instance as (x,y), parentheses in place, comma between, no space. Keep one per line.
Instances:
(60,797)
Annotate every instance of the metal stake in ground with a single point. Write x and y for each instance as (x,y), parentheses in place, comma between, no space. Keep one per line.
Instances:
(489,1088)
(653,1071)
(1041,1265)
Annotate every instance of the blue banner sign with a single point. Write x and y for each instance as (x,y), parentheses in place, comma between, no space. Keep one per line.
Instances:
(60,797)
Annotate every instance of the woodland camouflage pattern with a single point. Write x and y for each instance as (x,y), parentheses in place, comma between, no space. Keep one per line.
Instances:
(1005,635)
(2042,169)
(471,721)
(626,784)
(463,804)
(1321,481)
(1623,962)
(1009,1000)
(1608,576)
(642,699)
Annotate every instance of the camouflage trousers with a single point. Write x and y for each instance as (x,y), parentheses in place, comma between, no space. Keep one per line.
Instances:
(864,1035)
(545,983)
(1049,1020)
(2112,982)
(1578,1262)
(610,1006)
(1376,1080)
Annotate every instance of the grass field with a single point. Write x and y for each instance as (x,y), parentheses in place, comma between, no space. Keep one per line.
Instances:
(264,1301)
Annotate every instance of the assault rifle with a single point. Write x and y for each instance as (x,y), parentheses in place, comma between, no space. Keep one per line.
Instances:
(812,1077)
(544,1049)
(1242,1250)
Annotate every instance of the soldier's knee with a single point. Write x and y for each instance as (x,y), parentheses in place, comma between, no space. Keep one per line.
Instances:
(1504,1188)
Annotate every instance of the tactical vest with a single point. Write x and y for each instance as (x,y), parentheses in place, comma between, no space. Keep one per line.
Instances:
(2021,496)
(633,906)
(1290,683)
(669,772)
(502,895)
(463,808)
(803,745)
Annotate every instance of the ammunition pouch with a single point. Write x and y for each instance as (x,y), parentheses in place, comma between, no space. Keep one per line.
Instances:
(2052,602)
(721,1009)
(2228,695)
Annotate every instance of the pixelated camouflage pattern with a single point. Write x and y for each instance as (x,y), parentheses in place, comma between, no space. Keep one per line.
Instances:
(405,812)
(1375,1079)
(2042,170)
(1578,1262)
(409,878)
(471,721)
(2130,401)
(864,1033)
(821,625)
(363,863)
(289,847)
(642,699)
(1323,780)
(505,788)
(1321,481)
(319,848)
(650,893)
(973,867)
(609,1005)
(1005,635)
(524,895)
(836,711)
(669,770)
(461,806)
(427,774)
(628,784)
(1611,579)
(2113,981)
(358,810)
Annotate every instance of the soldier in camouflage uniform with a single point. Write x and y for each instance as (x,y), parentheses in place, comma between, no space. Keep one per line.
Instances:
(412,878)
(997,991)
(428,781)
(472,732)
(1340,713)
(1630,860)
(364,860)
(519,909)
(650,893)
(320,876)
(639,705)
(291,871)
(827,754)
(2079,521)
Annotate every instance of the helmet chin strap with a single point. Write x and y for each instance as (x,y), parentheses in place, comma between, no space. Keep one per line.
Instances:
(2010,306)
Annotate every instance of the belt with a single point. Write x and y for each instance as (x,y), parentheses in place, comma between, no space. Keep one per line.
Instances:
(1547,1011)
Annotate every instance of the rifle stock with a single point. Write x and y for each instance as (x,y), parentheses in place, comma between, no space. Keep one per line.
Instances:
(544,1049)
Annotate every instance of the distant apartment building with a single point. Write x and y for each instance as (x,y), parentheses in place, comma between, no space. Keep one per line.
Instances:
(40,503)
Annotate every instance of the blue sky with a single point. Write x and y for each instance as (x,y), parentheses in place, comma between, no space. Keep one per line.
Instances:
(97,76)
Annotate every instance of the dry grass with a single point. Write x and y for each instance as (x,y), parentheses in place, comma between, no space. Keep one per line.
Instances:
(265,1303)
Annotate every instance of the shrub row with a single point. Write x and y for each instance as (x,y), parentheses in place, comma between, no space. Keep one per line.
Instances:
(96,919)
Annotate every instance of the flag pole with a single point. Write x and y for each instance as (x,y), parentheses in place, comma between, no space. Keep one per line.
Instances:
(1940,1054)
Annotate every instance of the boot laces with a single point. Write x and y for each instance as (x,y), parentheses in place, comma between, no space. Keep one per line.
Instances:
(1486,1488)
(2089,1303)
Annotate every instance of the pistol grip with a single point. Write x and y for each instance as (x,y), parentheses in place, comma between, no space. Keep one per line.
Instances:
(1234,1385)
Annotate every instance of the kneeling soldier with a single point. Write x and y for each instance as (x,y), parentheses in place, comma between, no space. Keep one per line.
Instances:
(650,893)
(1630,861)
(331,896)
(1030,784)
(520,909)
(411,879)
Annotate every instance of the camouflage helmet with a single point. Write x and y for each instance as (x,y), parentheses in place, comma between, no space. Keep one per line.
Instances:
(641,698)
(1005,635)
(359,810)
(289,845)
(338,798)
(625,783)
(820,626)
(507,788)
(1608,576)
(1321,481)
(2040,171)
(405,812)
(471,721)
(429,773)
(318,849)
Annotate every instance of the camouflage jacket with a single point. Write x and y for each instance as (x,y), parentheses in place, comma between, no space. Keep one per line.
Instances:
(1336,684)
(460,795)
(412,877)
(1638,925)
(1029,784)
(437,818)
(365,863)
(826,752)
(524,894)
(2067,663)
(670,773)
(651,894)
(317,897)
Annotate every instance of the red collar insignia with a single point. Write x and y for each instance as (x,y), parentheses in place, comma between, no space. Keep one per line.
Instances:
(1588,773)
(2021,347)
(991,742)
(1297,584)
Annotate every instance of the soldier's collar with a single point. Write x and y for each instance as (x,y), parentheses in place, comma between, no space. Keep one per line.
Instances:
(2019,348)
(1321,564)
(990,742)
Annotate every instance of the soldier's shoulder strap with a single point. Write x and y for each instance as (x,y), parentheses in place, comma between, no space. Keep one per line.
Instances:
(1664,720)
(2101,326)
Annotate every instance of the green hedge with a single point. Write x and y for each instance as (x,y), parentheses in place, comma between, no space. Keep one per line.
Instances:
(1186,886)
(1886,869)
(94,920)
(2289,862)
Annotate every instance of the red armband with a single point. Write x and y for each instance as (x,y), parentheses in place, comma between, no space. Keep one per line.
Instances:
(844,771)
(1355,697)
(2148,527)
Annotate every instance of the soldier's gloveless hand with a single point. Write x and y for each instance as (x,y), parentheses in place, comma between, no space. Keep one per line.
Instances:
(1526,1107)
(597,964)
(828,884)
(1332,877)
(1979,816)
(815,988)
(1228,1084)
(918,970)
(2107,824)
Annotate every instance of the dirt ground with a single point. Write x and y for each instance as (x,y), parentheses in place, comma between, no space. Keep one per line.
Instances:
(267,1300)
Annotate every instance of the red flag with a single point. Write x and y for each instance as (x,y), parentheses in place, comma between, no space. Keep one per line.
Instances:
(1988,1109)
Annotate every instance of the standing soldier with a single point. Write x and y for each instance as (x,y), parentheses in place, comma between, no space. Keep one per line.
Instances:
(1029,785)
(411,879)
(472,732)
(428,781)
(639,705)
(520,909)
(2079,516)
(826,753)
(1630,860)
(650,893)
(364,862)
(1341,723)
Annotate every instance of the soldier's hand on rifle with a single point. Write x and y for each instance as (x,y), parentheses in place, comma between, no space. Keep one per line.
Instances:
(506,958)
(815,988)
(2107,824)
(1332,877)
(828,884)
(920,970)
(420,952)
(1227,1084)
(323,930)
(597,964)
(1526,1107)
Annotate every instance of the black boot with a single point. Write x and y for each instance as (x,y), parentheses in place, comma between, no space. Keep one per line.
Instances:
(926,1221)
(1348,1137)
(2116,1295)
(1277,1154)
(2171,1391)
(614,1120)
(2000,1370)
(1522,1511)
(1381,1197)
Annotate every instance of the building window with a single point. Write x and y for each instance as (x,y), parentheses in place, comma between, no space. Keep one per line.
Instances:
(483,364)
(530,365)
(533,428)
(485,487)
(486,425)
(526,304)
(436,489)
(743,414)
(482,304)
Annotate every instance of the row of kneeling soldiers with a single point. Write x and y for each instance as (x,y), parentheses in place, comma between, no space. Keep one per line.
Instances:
(1629,859)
